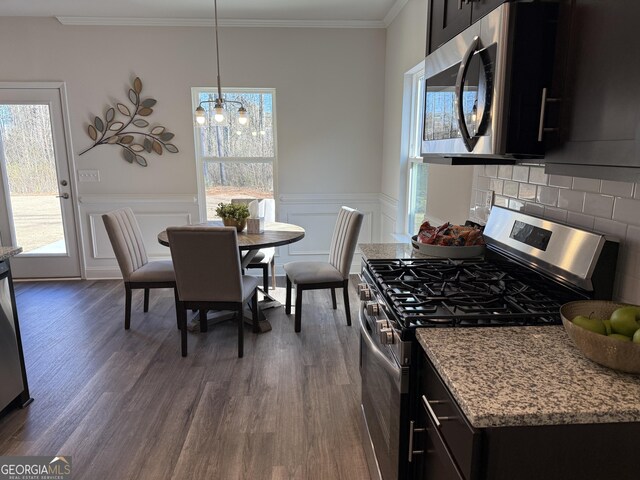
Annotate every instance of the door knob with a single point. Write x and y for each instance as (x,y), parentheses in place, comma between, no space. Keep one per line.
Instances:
(64,195)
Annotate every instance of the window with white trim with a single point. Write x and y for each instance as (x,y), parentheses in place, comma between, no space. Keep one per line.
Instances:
(234,160)
(417,171)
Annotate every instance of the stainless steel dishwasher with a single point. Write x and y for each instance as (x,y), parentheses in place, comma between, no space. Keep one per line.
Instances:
(13,379)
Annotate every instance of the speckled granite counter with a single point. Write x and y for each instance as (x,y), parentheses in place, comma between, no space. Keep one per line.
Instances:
(528,376)
(8,252)
(389,250)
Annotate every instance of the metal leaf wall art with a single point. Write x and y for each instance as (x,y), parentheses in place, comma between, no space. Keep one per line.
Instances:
(116,131)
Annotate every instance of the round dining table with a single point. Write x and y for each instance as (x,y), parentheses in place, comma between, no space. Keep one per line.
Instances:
(275,234)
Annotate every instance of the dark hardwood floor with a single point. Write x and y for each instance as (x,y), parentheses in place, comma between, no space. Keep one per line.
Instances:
(126,405)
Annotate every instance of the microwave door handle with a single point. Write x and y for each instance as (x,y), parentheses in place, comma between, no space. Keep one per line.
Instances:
(469,142)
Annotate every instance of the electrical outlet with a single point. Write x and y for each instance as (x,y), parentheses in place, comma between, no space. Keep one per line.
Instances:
(88,175)
(489,200)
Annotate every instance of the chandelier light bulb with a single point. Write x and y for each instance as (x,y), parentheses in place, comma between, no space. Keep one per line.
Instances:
(242,116)
(200,115)
(219,116)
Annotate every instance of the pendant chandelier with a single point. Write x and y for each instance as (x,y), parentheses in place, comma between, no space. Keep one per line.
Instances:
(219,103)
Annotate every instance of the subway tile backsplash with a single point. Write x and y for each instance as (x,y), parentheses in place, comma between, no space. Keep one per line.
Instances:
(611,208)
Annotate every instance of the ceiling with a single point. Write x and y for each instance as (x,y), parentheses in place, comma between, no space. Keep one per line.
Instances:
(302,12)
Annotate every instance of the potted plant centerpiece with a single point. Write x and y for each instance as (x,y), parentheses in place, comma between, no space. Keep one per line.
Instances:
(233,214)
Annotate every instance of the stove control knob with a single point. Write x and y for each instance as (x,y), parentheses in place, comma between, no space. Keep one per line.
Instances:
(382,324)
(365,293)
(386,336)
(373,309)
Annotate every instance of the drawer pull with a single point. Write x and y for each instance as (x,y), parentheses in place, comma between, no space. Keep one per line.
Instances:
(427,404)
(413,430)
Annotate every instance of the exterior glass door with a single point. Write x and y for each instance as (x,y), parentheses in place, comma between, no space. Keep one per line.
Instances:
(36,211)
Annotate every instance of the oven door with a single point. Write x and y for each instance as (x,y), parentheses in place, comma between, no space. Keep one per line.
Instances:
(464,89)
(384,404)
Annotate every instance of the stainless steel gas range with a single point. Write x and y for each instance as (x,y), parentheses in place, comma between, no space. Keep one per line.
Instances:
(531,267)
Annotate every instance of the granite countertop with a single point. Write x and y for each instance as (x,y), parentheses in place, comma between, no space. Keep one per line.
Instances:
(508,376)
(8,252)
(389,250)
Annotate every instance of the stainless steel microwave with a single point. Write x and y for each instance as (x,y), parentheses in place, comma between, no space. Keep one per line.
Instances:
(485,89)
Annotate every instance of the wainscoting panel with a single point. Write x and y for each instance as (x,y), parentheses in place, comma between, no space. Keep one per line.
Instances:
(317,214)
(154,213)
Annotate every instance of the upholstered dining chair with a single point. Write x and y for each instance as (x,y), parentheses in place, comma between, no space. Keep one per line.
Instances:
(332,274)
(209,277)
(137,271)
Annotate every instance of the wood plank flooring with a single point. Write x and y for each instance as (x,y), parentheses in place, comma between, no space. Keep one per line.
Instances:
(126,405)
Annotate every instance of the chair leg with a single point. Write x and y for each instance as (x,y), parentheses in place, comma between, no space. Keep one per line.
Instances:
(298,318)
(287,305)
(177,302)
(127,306)
(333,298)
(240,331)
(347,309)
(204,324)
(182,320)
(146,300)
(273,272)
(265,277)
(254,311)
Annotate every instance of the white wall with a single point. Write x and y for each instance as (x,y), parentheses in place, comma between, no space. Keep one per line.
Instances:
(329,87)
(448,189)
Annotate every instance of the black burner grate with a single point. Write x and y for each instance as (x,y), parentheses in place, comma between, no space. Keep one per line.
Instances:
(446,292)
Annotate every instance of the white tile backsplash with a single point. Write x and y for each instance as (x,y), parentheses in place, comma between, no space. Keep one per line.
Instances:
(537,176)
(560,181)
(627,210)
(527,192)
(612,208)
(598,205)
(580,220)
(586,184)
(557,214)
(505,171)
(617,189)
(520,173)
(482,183)
(547,196)
(571,200)
(510,188)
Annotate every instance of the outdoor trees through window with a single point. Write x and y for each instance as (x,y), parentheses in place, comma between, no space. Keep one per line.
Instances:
(236,161)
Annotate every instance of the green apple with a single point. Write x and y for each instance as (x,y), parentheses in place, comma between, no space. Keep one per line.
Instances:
(636,336)
(607,326)
(624,320)
(593,324)
(617,336)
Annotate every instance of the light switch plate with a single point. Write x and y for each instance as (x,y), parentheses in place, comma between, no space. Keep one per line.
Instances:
(88,175)
(489,199)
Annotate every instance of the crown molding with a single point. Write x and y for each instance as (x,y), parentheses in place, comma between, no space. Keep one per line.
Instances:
(206,22)
(393,12)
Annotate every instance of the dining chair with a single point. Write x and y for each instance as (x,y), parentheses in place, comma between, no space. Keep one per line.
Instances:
(332,274)
(265,259)
(208,276)
(137,271)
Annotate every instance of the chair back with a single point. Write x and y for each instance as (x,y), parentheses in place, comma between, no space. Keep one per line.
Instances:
(207,263)
(345,238)
(126,240)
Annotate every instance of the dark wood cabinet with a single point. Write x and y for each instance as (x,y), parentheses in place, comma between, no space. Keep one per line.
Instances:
(447,18)
(447,447)
(600,106)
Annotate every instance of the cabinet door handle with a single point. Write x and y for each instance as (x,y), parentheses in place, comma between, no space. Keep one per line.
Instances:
(459,4)
(432,414)
(543,111)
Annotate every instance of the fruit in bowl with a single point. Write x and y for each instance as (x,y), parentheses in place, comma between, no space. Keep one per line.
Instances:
(606,332)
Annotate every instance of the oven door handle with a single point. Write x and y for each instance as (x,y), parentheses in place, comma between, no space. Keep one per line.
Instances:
(469,141)
(390,366)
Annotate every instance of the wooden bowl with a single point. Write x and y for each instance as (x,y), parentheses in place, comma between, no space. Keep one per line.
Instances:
(610,352)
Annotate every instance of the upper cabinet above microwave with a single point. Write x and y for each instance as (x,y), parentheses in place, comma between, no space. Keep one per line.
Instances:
(450,17)
(600,124)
